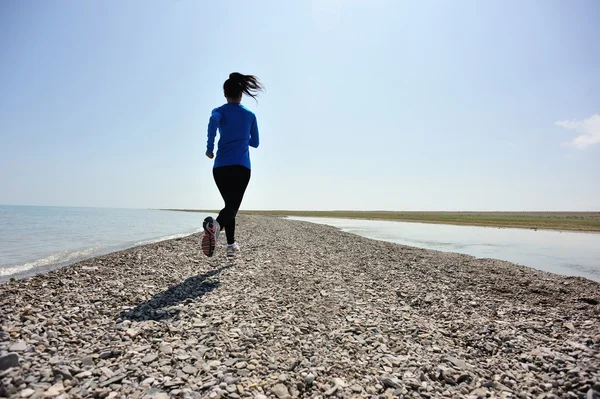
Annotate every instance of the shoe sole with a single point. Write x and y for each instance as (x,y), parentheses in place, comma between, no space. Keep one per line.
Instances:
(208,240)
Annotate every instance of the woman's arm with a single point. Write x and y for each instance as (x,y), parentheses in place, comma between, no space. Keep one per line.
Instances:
(213,125)
(254,141)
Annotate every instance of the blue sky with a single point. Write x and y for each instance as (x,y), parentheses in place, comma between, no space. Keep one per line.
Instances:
(396,105)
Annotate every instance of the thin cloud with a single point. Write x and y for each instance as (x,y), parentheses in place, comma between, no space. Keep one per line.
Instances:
(589,129)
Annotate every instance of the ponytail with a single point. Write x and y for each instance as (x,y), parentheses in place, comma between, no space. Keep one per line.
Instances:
(239,83)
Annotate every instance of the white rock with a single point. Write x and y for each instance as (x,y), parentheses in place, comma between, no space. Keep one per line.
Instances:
(54,390)
(19,346)
(27,392)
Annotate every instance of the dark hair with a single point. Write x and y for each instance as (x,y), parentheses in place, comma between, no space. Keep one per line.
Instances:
(238,84)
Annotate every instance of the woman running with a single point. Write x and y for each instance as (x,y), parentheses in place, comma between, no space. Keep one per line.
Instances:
(238,131)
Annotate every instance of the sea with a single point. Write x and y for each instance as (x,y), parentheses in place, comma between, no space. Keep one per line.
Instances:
(35,239)
(560,252)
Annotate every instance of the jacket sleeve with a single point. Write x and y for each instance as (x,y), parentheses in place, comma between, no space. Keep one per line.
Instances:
(254,141)
(213,125)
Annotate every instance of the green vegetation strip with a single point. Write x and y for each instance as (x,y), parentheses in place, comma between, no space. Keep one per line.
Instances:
(575,221)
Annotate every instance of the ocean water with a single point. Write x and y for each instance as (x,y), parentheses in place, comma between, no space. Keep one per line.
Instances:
(35,239)
(566,253)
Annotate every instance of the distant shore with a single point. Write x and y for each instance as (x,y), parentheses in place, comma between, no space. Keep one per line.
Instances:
(567,221)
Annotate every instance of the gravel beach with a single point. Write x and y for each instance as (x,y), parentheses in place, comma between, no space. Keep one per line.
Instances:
(305,310)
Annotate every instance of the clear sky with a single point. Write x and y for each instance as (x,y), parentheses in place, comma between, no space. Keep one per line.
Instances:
(395,105)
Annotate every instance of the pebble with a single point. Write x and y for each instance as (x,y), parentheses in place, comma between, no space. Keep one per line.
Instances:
(148,381)
(190,370)
(241,365)
(479,392)
(83,374)
(149,358)
(214,364)
(308,311)
(155,394)
(310,378)
(9,360)
(54,390)
(19,346)
(131,333)
(457,362)
(356,388)
(107,372)
(27,392)
(391,382)
(111,381)
(88,361)
(280,391)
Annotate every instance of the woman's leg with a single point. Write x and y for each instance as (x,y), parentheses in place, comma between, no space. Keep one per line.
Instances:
(232,182)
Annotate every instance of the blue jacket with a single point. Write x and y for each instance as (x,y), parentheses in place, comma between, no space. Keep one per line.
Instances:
(238,130)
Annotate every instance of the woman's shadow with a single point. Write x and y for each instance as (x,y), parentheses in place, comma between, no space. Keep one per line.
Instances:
(159,307)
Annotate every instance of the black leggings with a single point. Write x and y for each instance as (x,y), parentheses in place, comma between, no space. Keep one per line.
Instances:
(232,182)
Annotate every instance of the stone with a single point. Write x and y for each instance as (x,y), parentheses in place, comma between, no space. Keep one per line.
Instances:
(149,358)
(148,381)
(241,365)
(83,374)
(108,373)
(27,392)
(173,382)
(479,392)
(88,361)
(280,391)
(155,394)
(391,382)
(197,318)
(458,363)
(54,390)
(340,382)
(356,388)
(62,374)
(209,384)
(9,360)
(112,380)
(214,364)
(592,394)
(309,379)
(19,346)
(131,333)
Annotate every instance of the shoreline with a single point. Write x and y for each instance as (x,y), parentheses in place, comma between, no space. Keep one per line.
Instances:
(592,225)
(45,268)
(305,310)
(489,226)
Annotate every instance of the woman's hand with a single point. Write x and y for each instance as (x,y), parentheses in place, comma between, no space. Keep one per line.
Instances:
(211,156)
